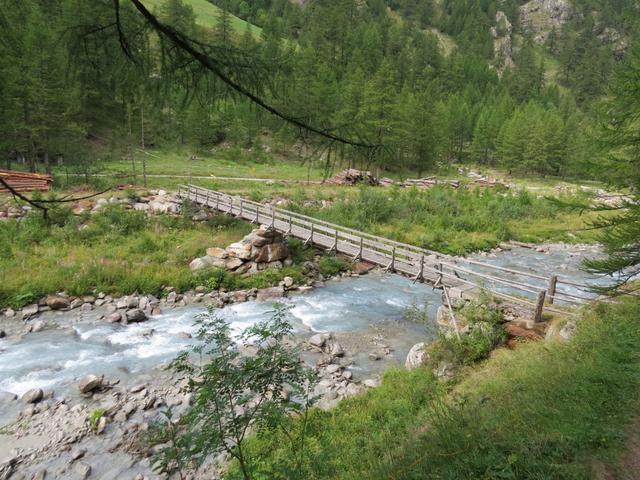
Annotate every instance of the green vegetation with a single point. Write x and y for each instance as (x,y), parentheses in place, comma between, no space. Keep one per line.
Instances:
(115,251)
(544,410)
(94,418)
(448,220)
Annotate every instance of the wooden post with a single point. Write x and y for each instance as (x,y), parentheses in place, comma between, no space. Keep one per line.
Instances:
(310,239)
(231,206)
(290,230)
(334,248)
(439,279)
(551,290)
(420,275)
(207,200)
(241,202)
(392,266)
(273,217)
(358,256)
(539,306)
(257,219)
(217,201)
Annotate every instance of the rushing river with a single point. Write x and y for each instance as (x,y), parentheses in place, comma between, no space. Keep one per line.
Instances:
(363,312)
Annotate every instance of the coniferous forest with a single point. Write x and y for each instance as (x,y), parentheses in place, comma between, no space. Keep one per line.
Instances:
(429,83)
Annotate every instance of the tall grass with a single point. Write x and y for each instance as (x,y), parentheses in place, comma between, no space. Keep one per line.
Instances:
(443,219)
(543,411)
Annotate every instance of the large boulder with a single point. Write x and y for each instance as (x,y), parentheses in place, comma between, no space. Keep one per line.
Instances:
(135,315)
(57,302)
(272,253)
(89,384)
(417,356)
(240,250)
(233,263)
(205,262)
(33,396)
(267,293)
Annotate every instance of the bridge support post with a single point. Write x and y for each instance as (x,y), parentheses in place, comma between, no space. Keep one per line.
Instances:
(289,230)
(310,239)
(334,247)
(392,265)
(231,206)
(551,290)
(217,201)
(539,306)
(420,275)
(241,205)
(257,219)
(358,256)
(439,279)
(273,217)
(207,200)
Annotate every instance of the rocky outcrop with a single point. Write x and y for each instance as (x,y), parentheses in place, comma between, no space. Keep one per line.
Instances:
(262,249)
(502,49)
(540,17)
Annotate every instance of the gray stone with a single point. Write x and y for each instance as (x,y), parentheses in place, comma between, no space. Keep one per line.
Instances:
(89,383)
(136,315)
(40,475)
(352,390)
(318,340)
(9,313)
(337,350)
(2,334)
(38,326)
(240,250)
(333,368)
(7,397)
(75,303)
(83,470)
(233,263)
(86,307)
(267,293)
(371,383)
(114,317)
(33,396)
(287,282)
(417,356)
(30,310)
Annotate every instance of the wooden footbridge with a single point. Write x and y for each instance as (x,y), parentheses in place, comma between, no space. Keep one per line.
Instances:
(458,277)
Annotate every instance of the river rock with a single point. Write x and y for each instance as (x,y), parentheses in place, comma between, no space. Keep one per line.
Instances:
(318,340)
(371,383)
(2,334)
(9,313)
(33,396)
(75,303)
(89,383)
(57,302)
(337,350)
(83,470)
(417,356)
(38,326)
(352,390)
(30,310)
(272,292)
(114,317)
(287,282)
(136,315)
(361,268)
(78,454)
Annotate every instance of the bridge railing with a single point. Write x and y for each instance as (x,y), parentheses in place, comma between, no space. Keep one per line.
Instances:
(407,259)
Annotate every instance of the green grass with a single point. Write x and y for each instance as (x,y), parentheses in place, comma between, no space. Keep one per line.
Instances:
(543,411)
(116,251)
(207,15)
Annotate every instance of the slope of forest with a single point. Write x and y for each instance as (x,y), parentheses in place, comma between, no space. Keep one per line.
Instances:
(510,90)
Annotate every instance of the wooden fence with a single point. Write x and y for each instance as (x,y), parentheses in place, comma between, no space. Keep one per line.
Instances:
(460,277)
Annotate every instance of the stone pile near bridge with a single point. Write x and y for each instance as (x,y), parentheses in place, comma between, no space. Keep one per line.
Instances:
(262,249)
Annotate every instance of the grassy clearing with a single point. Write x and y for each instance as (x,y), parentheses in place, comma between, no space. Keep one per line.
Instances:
(545,410)
(115,251)
(207,15)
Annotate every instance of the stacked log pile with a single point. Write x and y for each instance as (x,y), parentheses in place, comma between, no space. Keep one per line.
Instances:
(25,182)
(352,176)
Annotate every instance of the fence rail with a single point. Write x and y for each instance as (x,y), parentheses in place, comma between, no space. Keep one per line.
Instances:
(443,271)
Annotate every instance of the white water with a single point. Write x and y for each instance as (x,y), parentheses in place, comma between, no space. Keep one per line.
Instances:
(56,357)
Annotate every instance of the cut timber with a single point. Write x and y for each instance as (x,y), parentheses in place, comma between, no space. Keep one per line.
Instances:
(25,182)
(351,176)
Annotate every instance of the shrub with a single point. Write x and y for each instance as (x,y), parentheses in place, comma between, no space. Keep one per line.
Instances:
(332,265)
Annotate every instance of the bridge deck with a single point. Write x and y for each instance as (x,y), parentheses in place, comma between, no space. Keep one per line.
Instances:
(441,271)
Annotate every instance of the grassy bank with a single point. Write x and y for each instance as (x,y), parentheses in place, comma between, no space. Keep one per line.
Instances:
(544,410)
(116,251)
